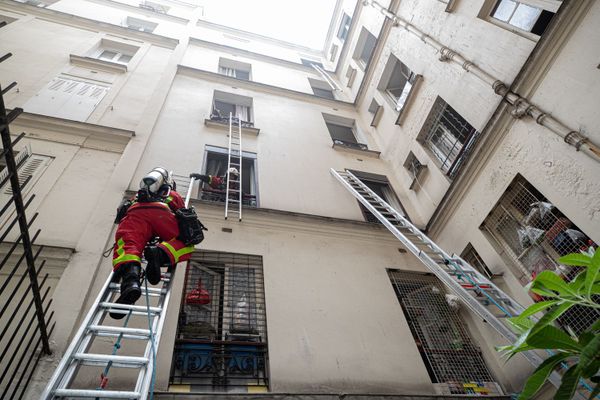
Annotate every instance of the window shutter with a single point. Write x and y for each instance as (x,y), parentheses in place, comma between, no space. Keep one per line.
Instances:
(33,167)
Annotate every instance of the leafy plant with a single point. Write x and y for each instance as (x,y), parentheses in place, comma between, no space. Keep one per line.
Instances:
(580,354)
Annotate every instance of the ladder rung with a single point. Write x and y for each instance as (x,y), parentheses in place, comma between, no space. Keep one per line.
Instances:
(119,329)
(124,336)
(233,201)
(130,307)
(117,361)
(111,394)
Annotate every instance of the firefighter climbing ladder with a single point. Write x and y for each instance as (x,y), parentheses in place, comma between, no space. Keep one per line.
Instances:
(474,289)
(94,326)
(233,190)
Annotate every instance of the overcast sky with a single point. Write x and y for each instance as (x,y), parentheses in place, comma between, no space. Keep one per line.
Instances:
(303,22)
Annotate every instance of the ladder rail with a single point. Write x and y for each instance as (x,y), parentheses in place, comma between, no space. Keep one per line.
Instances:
(228,166)
(239,184)
(433,266)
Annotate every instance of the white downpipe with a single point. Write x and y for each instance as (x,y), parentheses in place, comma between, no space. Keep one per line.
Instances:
(522,106)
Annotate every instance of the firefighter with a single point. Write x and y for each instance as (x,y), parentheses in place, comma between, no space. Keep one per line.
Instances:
(216,182)
(150,214)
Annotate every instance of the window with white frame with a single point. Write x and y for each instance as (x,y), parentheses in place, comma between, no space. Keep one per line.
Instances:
(376,110)
(155,7)
(140,24)
(416,170)
(67,98)
(448,136)
(343,131)
(364,47)
(240,108)
(344,28)
(310,63)
(531,233)
(235,69)
(528,16)
(333,52)
(397,83)
(117,52)
(321,89)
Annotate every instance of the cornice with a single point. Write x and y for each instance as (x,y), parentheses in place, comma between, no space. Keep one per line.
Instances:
(253,55)
(262,87)
(96,64)
(98,137)
(89,24)
(143,11)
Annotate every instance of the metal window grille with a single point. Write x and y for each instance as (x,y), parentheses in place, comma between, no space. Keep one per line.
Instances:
(221,340)
(449,137)
(533,234)
(471,256)
(447,350)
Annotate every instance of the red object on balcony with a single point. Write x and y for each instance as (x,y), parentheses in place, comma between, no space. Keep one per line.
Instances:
(198,296)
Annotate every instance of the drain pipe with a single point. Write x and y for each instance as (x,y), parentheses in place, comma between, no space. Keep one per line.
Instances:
(522,106)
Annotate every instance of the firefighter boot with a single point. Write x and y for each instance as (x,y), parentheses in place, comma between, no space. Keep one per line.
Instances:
(156,258)
(130,286)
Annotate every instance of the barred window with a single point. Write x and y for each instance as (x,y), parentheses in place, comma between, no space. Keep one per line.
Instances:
(222,335)
(452,360)
(449,137)
(532,234)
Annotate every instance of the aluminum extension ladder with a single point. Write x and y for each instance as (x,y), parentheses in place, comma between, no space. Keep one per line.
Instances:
(92,327)
(475,290)
(233,190)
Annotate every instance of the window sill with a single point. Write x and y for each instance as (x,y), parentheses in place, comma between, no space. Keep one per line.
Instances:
(354,150)
(94,63)
(225,126)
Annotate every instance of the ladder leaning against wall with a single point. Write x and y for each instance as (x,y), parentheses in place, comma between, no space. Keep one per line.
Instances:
(475,290)
(233,188)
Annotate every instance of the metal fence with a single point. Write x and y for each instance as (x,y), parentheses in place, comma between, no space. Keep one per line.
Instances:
(221,340)
(24,302)
(450,356)
(533,234)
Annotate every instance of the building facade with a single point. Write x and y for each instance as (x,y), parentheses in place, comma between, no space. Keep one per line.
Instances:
(473,118)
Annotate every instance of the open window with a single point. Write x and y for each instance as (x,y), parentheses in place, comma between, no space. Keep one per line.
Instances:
(240,107)
(528,17)
(471,256)
(381,186)
(216,165)
(235,69)
(416,170)
(344,28)
(343,131)
(397,83)
(364,48)
(448,136)
(321,89)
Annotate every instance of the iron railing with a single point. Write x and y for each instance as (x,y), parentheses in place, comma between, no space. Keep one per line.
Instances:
(25,315)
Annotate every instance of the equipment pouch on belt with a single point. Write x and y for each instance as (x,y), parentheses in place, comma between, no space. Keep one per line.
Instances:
(122,210)
(190,227)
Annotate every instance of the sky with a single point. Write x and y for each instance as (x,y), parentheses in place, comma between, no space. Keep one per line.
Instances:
(303,22)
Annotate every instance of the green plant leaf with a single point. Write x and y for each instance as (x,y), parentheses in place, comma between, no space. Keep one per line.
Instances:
(590,278)
(568,385)
(550,280)
(589,356)
(595,326)
(576,259)
(596,257)
(579,281)
(551,316)
(535,308)
(541,373)
(591,370)
(550,337)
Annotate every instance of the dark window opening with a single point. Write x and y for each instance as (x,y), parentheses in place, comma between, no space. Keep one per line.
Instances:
(342,33)
(325,93)
(381,186)
(216,165)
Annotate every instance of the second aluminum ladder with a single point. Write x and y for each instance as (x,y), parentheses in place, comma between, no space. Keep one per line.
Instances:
(475,290)
(233,185)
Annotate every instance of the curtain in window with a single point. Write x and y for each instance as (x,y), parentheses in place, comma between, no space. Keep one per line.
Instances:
(227,71)
(242,112)
(216,165)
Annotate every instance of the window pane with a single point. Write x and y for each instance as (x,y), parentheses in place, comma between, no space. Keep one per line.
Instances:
(242,74)
(504,10)
(124,58)
(224,108)
(328,94)
(368,48)
(525,17)
(339,132)
(108,55)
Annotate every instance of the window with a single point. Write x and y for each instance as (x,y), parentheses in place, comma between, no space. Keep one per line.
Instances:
(343,131)
(350,74)
(4,20)
(381,186)
(112,51)
(526,15)
(235,69)
(344,28)
(449,137)
(471,256)
(531,234)
(216,165)
(451,358)
(310,63)
(36,3)
(67,98)
(364,47)
(397,83)
(376,110)
(140,25)
(152,6)
(321,89)
(240,107)
(221,342)
(333,52)
(415,169)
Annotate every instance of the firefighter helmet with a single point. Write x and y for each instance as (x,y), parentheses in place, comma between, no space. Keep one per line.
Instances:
(157,182)
(233,171)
